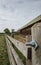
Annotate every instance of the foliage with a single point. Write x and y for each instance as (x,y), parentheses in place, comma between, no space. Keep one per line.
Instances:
(7,31)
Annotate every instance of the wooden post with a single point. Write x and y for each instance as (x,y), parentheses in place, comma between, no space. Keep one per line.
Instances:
(29,50)
(28,38)
(36,35)
(29,55)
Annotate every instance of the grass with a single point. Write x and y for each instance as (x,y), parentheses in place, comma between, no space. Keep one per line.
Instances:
(4,60)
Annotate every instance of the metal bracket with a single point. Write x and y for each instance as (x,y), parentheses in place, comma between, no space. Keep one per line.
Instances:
(33,44)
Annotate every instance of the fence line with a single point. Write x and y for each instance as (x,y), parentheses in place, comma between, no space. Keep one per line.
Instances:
(13,56)
(12,62)
(21,46)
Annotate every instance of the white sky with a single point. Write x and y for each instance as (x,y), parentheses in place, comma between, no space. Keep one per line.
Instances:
(16,13)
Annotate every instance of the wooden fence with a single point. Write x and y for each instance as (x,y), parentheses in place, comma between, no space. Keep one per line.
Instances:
(13,55)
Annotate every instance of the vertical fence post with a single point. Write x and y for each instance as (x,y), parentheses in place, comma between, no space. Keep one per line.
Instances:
(29,56)
(36,35)
(29,50)
(28,38)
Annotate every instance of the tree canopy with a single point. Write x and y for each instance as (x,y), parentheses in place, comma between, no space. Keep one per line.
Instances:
(7,31)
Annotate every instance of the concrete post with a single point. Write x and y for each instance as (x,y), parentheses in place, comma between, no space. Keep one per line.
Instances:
(36,35)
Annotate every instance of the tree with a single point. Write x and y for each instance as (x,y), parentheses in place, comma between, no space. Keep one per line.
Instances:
(7,31)
(12,33)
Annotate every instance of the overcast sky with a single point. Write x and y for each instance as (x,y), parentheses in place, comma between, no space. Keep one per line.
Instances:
(16,13)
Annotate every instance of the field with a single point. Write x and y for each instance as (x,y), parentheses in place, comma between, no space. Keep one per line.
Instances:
(4,60)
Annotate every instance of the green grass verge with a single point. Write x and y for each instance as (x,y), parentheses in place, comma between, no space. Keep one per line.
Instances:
(4,60)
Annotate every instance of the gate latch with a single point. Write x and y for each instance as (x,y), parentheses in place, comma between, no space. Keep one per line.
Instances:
(33,43)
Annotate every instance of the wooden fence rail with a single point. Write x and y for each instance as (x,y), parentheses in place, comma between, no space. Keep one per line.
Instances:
(12,62)
(21,46)
(13,56)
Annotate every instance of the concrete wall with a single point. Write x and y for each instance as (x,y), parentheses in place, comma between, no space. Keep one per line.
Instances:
(36,35)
